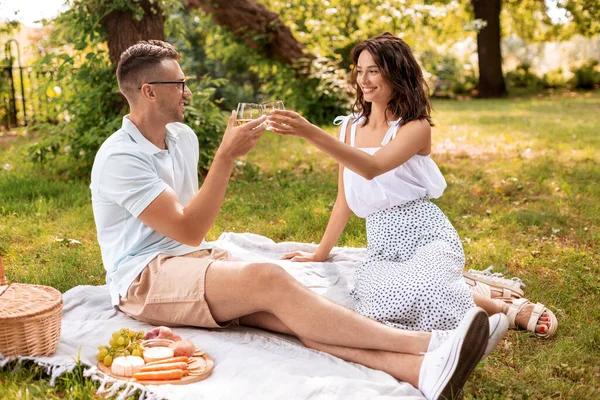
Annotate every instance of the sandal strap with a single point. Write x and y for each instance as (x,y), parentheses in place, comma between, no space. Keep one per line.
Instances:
(536,313)
(479,287)
(517,305)
(507,287)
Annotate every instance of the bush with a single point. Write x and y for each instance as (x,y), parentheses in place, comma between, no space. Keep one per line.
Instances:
(586,76)
(87,115)
(554,79)
(205,118)
(449,76)
(522,77)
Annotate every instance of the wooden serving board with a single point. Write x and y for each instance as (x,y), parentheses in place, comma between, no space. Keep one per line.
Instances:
(202,362)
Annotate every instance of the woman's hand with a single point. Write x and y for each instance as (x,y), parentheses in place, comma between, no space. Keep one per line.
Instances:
(301,256)
(285,122)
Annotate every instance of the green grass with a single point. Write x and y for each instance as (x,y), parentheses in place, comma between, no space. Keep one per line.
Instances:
(523,194)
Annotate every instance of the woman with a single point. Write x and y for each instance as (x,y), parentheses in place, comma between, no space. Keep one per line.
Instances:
(412,277)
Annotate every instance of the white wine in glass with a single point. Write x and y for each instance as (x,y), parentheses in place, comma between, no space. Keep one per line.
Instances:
(268,107)
(240,122)
(272,105)
(247,112)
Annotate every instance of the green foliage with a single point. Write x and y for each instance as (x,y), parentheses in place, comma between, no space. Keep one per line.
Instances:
(205,118)
(555,79)
(523,77)
(248,76)
(90,107)
(89,111)
(586,76)
(331,28)
(87,108)
(585,15)
(9,27)
(529,20)
(448,76)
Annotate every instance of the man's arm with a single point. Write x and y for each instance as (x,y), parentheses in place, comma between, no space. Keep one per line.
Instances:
(190,224)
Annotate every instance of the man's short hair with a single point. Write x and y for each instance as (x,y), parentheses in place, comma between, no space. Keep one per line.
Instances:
(138,61)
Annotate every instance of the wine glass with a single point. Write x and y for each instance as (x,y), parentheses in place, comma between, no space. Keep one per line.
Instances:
(270,106)
(247,112)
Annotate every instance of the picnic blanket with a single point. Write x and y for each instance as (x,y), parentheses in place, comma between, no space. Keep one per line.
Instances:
(249,363)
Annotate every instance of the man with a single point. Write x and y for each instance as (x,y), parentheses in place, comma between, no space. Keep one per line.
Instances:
(152,220)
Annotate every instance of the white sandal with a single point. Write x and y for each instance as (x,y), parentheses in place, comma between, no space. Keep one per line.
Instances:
(516,306)
(483,282)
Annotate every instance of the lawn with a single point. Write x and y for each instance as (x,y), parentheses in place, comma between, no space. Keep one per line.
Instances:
(522,192)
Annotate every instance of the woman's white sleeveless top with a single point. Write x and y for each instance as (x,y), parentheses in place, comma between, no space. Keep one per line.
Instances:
(417,177)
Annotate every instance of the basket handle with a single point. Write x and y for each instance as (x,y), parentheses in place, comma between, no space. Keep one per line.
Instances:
(2,274)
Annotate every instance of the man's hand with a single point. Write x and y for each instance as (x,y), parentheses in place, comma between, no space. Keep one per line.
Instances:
(238,141)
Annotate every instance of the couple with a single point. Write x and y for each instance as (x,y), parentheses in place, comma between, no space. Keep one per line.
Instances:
(152,218)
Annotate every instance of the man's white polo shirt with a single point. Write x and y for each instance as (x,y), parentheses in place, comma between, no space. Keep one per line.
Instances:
(129,172)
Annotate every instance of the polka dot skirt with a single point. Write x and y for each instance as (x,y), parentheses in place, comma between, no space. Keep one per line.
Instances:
(412,278)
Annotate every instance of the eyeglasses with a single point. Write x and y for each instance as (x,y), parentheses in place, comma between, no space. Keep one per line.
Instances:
(182,83)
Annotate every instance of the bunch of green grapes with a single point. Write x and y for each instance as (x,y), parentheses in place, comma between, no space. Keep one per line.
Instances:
(124,342)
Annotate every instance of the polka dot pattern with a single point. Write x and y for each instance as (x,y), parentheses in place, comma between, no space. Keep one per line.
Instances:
(412,278)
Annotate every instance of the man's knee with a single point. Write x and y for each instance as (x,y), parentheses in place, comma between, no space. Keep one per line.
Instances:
(266,276)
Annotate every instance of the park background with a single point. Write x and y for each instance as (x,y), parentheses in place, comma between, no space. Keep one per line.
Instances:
(515,87)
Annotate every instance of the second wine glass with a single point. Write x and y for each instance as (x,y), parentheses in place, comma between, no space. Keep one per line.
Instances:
(269,106)
(247,112)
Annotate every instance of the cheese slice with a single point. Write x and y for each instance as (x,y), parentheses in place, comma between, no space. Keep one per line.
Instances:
(126,366)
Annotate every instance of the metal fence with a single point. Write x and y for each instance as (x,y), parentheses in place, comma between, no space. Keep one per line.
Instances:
(23,98)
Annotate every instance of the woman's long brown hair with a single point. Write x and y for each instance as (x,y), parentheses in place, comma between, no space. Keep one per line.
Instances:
(396,63)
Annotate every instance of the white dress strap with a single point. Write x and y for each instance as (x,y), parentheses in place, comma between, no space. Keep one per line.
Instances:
(388,135)
(391,133)
(343,120)
(353,134)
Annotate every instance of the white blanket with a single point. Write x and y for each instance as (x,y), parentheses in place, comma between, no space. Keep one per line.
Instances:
(249,363)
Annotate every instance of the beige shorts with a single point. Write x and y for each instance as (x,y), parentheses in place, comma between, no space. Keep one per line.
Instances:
(170,291)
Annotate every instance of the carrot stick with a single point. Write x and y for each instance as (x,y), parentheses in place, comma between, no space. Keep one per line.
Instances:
(164,367)
(159,375)
(169,360)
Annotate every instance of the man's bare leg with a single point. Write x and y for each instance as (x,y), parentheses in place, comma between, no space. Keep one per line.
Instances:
(440,373)
(267,321)
(235,289)
(403,367)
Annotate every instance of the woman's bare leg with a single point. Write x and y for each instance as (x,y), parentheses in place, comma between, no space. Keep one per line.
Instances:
(493,306)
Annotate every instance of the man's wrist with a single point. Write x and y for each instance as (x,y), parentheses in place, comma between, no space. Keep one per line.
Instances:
(225,156)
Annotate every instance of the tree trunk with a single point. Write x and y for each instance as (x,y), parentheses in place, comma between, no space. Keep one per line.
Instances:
(491,80)
(124,31)
(259,28)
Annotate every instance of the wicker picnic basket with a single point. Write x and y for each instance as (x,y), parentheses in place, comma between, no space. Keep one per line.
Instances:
(30,318)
